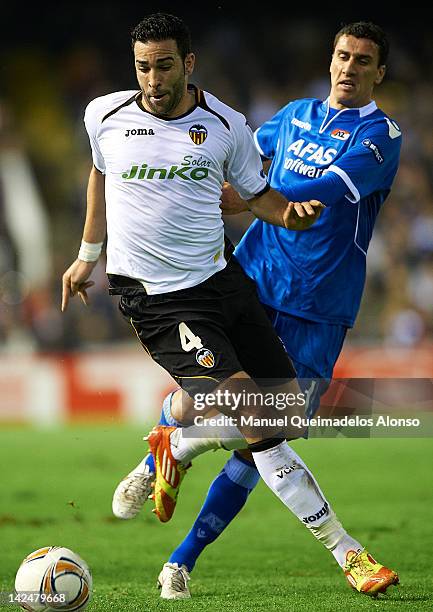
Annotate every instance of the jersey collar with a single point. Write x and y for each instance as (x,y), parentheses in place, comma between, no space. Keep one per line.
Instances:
(363,111)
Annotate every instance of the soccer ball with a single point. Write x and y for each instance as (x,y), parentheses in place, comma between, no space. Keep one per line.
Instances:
(53,578)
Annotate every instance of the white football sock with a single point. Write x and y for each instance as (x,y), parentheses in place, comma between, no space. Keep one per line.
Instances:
(289,478)
(332,535)
(186,443)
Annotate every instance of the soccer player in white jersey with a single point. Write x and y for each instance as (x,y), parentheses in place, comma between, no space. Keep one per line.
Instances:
(160,157)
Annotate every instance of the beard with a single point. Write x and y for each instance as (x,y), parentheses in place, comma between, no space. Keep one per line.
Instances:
(169,102)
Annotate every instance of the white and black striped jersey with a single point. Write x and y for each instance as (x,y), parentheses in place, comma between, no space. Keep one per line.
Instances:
(163,181)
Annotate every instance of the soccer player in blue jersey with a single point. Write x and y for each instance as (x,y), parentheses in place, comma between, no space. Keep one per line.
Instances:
(343,151)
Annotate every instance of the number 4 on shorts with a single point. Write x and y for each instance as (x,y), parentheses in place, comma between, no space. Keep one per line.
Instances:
(188,340)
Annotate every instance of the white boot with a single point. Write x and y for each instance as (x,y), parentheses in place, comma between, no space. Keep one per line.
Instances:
(132,492)
(173,581)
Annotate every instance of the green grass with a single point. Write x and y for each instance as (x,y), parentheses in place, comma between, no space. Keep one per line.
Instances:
(57,487)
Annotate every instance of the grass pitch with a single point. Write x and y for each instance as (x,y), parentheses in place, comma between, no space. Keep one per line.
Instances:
(57,487)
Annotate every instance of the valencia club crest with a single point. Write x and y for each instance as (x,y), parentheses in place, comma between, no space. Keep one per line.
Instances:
(198,133)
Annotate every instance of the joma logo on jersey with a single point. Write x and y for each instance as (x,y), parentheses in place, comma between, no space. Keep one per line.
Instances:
(197,133)
(340,134)
(186,173)
(140,132)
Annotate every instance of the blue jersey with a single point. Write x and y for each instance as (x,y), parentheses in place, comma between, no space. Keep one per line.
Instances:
(319,273)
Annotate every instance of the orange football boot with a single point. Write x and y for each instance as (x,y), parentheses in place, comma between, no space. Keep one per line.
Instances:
(366,575)
(169,472)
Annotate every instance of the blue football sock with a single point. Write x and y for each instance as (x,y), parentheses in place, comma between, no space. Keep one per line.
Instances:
(225,499)
(165,419)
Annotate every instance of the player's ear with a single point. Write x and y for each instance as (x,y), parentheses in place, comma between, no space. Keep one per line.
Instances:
(189,63)
(331,59)
(380,74)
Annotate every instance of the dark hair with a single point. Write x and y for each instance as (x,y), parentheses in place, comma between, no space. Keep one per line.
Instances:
(366,29)
(162,26)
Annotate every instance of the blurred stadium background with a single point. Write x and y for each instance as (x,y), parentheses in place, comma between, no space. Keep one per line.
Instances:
(87,362)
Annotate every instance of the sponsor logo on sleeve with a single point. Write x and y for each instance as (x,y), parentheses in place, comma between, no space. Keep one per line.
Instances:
(376,151)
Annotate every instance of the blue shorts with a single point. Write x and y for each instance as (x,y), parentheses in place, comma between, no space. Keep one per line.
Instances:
(313,348)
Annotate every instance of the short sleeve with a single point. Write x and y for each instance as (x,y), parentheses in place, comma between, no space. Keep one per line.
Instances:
(92,123)
(244,168)
(371,163)
(267,135)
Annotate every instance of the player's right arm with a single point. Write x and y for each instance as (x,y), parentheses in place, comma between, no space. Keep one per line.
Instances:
(244,171)
(272,207)
(75,279)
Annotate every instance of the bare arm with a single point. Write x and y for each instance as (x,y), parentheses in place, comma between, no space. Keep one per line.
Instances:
(75,279)
(95,224)
(273,208)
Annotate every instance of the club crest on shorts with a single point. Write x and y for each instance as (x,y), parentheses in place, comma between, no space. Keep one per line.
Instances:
(205,358)
(198,133)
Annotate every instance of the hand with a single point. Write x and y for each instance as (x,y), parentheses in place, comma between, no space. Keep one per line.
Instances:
(231,201)
(302,215)
(75,281)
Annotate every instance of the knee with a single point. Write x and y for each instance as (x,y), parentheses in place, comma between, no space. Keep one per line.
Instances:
(246,454)
(182,407)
